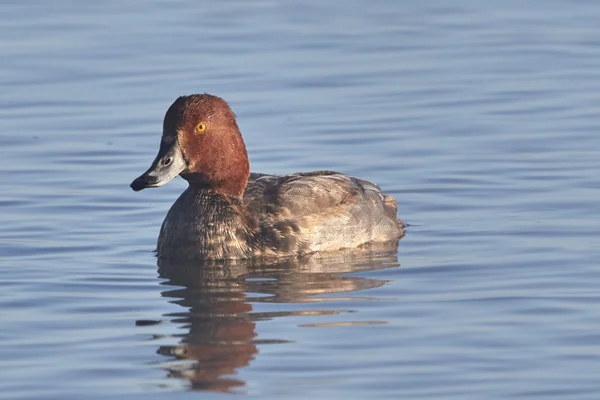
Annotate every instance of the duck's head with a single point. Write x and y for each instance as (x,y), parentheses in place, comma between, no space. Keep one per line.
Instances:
(201,142)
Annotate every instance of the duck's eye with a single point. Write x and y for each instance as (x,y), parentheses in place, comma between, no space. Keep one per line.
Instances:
(201,127)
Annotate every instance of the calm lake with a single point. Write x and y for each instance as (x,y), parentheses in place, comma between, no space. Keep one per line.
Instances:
(481,118)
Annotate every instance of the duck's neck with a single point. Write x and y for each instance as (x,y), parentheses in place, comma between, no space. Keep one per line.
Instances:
(231,185)
(217,196)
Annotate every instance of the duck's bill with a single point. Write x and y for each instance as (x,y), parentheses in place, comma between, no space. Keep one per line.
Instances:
(167,165)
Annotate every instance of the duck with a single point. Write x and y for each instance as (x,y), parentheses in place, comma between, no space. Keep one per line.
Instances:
(227,212)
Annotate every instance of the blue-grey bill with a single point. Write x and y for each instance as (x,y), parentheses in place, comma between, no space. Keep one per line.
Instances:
(167,165)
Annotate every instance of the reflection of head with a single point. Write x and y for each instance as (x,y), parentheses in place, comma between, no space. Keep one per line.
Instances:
(216,349)
(220,321)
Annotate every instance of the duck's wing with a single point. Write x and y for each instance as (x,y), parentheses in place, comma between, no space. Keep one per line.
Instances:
(323,208)
(300,194)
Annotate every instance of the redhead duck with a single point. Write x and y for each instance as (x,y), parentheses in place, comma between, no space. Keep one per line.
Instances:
(229,213)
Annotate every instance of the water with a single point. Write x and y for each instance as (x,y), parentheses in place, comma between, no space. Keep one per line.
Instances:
(481,119)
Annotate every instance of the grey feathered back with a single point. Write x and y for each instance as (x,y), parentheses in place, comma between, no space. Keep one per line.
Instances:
(322,210)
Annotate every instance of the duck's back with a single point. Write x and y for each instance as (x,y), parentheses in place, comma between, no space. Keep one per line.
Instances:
(317,211)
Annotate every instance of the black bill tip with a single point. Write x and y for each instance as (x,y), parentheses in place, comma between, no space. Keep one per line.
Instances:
(140,183)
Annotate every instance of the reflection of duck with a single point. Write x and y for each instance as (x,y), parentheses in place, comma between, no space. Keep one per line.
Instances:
(220,319)
(228,213)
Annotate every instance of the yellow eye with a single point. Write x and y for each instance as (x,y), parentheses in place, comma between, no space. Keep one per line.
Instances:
(201,127)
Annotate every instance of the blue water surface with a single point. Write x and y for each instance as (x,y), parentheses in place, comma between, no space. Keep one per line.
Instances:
(481,118)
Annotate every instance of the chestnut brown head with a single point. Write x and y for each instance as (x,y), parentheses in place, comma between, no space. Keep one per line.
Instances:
(201,142)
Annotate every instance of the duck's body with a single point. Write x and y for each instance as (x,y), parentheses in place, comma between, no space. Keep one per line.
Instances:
(279,216)
(228,213)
